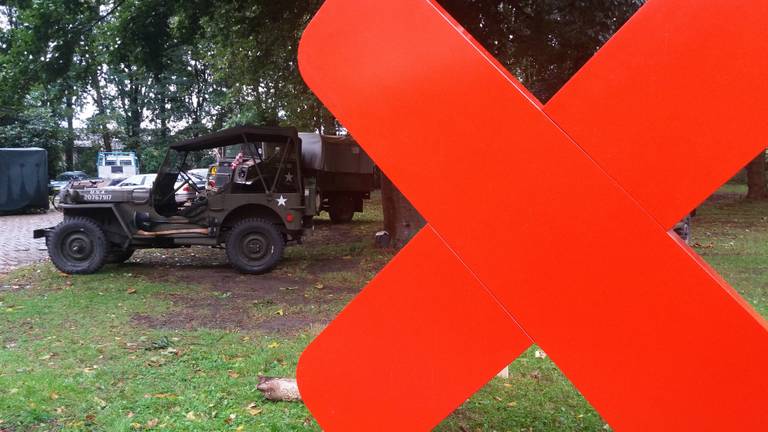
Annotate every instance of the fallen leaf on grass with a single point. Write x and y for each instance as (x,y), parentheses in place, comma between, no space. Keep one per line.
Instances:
(233,374)
(319,286)
(101,402)
(155,362)
(253,409)
(279,312)
(60,410)
(161,396)
(191,416)
(273,345)
(131,291)
(54,395)
(152,423)
(230,418)
(540,354)
(512,404)
(136,425)
(240,428)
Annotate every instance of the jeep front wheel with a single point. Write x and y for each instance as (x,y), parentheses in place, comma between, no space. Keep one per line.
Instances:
(254,246)
(78,246)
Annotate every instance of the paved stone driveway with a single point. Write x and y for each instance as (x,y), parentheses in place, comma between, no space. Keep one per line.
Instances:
(17,247)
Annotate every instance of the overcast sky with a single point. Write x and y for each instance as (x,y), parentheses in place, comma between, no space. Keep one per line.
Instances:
(3,20)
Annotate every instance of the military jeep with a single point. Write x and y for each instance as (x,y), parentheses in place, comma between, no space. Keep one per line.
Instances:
(259,205)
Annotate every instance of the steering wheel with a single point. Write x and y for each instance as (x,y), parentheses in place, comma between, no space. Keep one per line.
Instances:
(188,180)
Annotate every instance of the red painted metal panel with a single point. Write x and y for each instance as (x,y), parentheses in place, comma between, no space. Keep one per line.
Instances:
(391,356)
(675,103)
(645,331)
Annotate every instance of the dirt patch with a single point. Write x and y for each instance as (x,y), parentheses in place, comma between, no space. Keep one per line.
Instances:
(293,324)
(725,197)
(223,299)
(293,298)
(346,264)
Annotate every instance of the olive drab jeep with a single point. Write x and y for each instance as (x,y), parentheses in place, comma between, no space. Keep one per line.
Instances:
(255,205)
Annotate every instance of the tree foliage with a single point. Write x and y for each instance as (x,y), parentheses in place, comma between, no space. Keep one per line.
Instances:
(143,73)
(542,42)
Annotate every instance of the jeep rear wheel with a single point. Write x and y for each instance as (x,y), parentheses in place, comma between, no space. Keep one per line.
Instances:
(78,246)
(254,246)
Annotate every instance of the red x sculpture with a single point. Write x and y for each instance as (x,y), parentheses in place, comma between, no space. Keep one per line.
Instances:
(585,188)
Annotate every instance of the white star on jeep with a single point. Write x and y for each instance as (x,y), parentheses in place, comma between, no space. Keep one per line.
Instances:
(281,201)
(289,178)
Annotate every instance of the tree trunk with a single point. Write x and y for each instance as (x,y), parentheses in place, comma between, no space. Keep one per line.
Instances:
(135,117)
(401,219)
(328,122)
(756,178)
(162,109)
(69,142)
(102,111)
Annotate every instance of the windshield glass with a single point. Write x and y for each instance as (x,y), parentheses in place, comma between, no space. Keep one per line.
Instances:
(174,174)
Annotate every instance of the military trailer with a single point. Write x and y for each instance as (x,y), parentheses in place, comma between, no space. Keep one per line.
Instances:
(23,179)
(253,213)
(343,174)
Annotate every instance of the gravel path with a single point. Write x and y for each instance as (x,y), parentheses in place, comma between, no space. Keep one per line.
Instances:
(17,247)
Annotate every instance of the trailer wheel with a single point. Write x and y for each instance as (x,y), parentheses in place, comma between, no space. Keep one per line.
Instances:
(254,246)
(342,209)
(78,246)
(119,256)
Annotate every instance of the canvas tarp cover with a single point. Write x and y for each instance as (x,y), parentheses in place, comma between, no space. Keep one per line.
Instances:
(23,179)
(333,154)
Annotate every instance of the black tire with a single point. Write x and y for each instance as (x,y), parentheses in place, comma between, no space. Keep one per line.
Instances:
(119,256)
(342,210)
(78,246)
(254,246)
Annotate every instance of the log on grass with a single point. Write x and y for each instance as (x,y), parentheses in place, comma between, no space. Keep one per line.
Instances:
(279,389)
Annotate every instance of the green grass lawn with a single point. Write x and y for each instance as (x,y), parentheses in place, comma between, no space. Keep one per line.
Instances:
(112,352)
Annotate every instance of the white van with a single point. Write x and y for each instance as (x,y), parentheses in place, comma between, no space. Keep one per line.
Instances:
(117,165)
